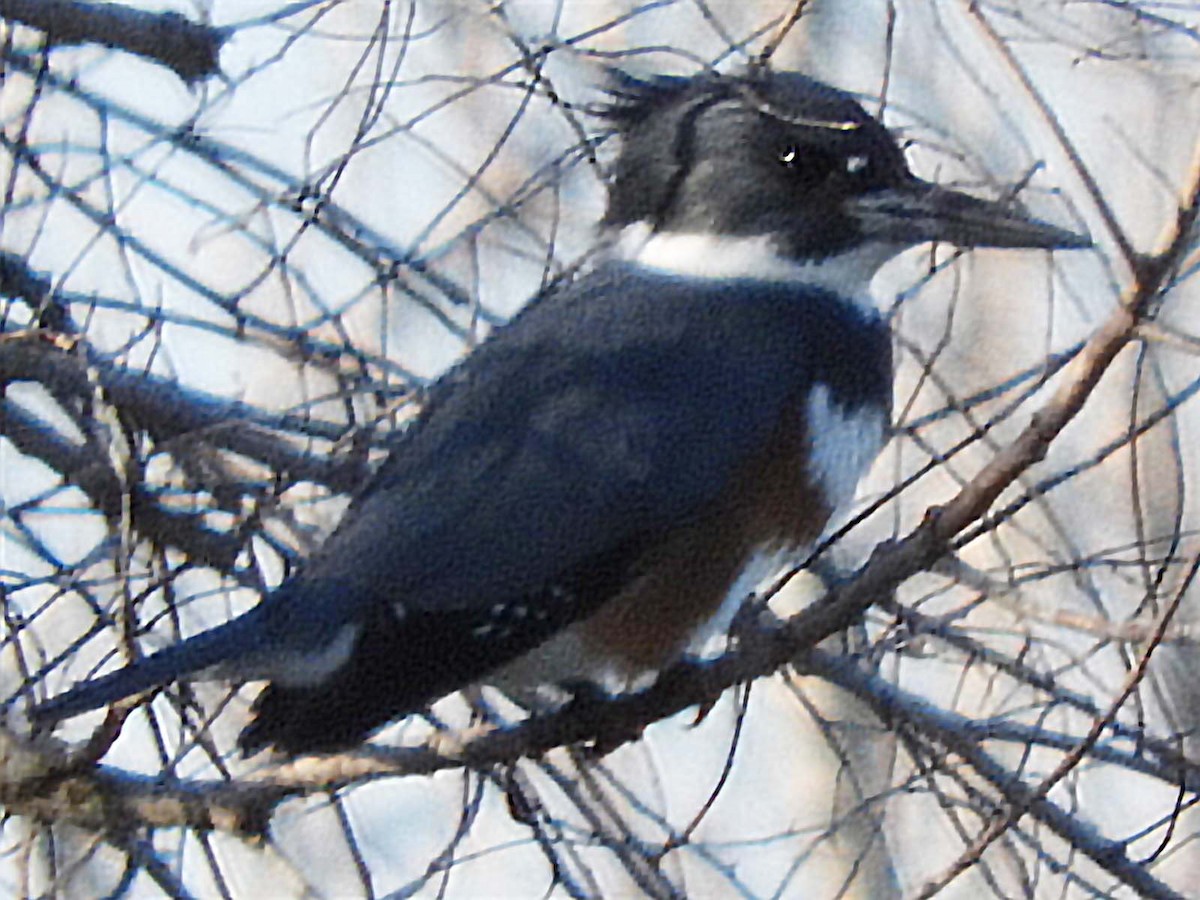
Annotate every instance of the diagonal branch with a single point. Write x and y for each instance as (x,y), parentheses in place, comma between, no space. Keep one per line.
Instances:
(1154,272)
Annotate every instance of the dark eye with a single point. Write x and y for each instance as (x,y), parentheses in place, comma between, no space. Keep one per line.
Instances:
(816,164)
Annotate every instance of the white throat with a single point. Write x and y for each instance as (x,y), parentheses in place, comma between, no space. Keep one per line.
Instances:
(695,255)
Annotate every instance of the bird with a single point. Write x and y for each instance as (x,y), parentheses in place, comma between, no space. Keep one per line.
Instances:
(607,475)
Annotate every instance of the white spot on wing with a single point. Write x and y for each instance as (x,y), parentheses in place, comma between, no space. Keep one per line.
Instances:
(844,443)
(299,670)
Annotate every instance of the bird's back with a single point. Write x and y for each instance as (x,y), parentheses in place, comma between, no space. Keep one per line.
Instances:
(634,436)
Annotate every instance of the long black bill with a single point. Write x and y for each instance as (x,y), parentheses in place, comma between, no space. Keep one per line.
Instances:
(918,211)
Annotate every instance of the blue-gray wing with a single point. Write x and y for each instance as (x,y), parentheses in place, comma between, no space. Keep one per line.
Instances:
(607,413)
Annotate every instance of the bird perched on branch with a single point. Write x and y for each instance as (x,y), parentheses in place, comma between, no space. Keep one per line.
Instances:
(601,478)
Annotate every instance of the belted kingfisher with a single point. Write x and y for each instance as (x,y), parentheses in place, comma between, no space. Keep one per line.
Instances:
(594,483)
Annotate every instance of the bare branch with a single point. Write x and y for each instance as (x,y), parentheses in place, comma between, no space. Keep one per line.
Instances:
(188,49)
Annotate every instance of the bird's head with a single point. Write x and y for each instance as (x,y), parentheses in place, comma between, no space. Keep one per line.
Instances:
(751,170)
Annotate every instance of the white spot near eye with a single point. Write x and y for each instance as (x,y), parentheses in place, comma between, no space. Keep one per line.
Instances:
(856,164)
(788,156)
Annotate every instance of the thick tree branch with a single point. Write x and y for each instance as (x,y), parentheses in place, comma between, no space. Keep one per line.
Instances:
(44,784)
(1153,273)
(169,411)
(86,470)
(35,291)
(187,48)
(245,807)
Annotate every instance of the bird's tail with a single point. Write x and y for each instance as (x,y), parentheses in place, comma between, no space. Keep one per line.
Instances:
(205,650)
